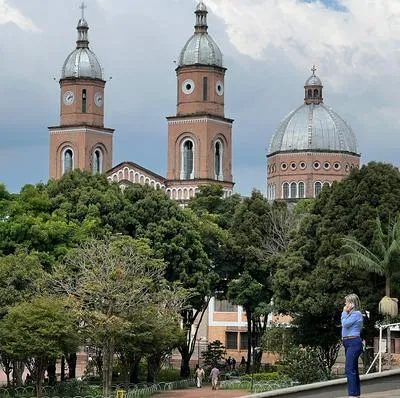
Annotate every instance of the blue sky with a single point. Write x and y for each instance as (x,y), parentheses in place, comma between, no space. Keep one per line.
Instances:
(269,47)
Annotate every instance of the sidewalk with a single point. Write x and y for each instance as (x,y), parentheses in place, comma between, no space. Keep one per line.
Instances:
(204,392)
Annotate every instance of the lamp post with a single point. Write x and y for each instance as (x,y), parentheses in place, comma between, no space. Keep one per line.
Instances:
(255,351)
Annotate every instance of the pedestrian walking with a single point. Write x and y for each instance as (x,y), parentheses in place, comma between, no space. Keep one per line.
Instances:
(214,376)
(199,375)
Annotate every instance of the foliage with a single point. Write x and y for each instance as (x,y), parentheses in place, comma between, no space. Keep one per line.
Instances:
(39,331)
(214,354)
(277,340)
(262,377)
(303,364)
(310,277)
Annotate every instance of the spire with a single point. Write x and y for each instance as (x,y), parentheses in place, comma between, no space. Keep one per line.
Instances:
(201,18)
(83,27)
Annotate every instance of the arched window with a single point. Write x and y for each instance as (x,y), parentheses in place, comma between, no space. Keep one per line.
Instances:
(97,161)
(187,171)
(317,188)
(293,190)
(326,185)
(84,99)
(218,160)
(285,190)
(309,93)
(316,93)
(68,160)
(301,189)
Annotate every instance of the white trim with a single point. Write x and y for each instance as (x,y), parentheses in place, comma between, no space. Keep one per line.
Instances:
(211,312)
(220,176)
(101,159)
(198,120)
(79,130)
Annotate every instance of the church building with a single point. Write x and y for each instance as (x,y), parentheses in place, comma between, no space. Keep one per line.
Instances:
(199,135)
(312,148)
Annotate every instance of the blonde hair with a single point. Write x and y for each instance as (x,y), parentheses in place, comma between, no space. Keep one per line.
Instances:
(353,299)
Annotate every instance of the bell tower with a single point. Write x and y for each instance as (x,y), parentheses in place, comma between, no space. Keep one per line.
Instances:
(81,141)
(200,136)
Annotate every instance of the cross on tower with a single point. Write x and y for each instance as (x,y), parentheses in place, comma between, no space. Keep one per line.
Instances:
(313,69)
(82,7)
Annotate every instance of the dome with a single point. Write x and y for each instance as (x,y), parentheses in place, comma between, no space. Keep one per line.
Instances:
(201,7)
(313,127)
(82,62)
(201,49)
(313,80)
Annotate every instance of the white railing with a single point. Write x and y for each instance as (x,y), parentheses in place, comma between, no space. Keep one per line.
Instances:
(379,354)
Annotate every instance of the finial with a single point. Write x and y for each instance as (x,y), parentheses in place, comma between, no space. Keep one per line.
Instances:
(82,7)
(313,70)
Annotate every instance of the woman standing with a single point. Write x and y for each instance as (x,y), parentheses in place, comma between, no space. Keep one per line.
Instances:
(352,322)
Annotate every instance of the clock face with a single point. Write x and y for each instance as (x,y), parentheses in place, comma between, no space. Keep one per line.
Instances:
(188,86)
(68,98)
(219,88)
(98,99)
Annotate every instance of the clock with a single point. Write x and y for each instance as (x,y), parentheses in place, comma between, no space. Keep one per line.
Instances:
(188,86)
(98,99)
(219,88)
(68,98)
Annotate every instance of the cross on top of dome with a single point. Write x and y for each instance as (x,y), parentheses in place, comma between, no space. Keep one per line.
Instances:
(313,87)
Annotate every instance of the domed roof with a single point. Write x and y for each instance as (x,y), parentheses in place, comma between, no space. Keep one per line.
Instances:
(313,80)
(82,62)
(201,49)
(313,127)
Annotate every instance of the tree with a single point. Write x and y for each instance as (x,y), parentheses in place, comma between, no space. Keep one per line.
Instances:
(214,354)
(310,277)
(382,259)
(110,281)
(38,332)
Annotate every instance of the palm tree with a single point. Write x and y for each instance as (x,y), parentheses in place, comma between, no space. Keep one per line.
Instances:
(383,260)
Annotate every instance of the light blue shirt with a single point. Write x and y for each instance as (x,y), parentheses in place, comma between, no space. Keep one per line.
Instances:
(352,323)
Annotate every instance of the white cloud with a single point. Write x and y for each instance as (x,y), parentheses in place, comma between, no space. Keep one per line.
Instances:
(9,14)
(358,42)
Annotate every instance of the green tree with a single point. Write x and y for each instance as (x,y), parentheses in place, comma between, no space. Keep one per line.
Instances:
(214,354)
(310,277)
(38,332)
(382,259)
(111,281)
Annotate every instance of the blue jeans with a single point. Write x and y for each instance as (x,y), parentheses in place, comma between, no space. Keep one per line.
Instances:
(353,349)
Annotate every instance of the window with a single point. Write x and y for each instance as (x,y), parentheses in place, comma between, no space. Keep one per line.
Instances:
(326,185)
(218,161)
(316,93)
(205,88)
(187,172)
(243,341)
(97,161)
(84,105)
(309,93)
(231,340)
(317,188)
(224,306)
(68,161)
(301,189)
(285,189)
(293,190)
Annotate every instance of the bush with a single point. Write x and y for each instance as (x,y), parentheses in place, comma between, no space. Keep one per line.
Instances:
(168,374)
(303,365)
(262,376)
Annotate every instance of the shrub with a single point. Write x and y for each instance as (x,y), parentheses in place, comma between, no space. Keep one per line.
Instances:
(168,374)
(303,365)
(262,376)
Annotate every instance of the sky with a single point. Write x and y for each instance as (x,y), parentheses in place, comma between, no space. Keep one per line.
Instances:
(269,47)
